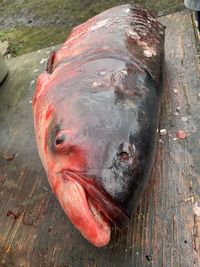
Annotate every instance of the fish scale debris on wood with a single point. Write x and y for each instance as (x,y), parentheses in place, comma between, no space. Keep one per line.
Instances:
(96,111)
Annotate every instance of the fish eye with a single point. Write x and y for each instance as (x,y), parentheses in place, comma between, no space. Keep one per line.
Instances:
(62,139)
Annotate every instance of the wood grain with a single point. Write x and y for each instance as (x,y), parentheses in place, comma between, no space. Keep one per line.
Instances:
(34,230)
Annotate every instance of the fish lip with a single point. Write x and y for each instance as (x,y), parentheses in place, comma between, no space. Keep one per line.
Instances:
(105,204)
(82,213)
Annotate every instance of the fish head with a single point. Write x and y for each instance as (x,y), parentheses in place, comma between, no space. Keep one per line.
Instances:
(91,152)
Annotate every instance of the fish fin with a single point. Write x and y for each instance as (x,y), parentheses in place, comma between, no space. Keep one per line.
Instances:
(50,63)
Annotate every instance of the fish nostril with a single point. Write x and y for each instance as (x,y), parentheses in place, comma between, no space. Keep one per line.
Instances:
(124,156)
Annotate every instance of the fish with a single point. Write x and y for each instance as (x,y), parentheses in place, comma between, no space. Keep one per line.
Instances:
(96,110)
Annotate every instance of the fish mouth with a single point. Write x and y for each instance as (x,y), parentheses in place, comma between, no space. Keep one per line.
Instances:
(89,208)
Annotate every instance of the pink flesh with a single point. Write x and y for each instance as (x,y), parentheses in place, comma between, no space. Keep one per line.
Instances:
(82,213)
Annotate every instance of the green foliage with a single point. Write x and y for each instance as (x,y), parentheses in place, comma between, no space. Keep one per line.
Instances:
(2,35)
(25,38)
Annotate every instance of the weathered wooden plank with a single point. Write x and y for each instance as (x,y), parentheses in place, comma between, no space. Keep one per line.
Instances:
(34,230)
(3,69)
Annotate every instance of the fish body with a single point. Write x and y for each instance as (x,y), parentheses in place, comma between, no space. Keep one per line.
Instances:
(96,111)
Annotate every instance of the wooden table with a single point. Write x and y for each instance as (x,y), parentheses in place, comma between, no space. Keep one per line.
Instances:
(34,230)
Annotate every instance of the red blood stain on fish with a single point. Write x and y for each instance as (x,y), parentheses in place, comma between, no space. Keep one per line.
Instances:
(180,134)
(49,113)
